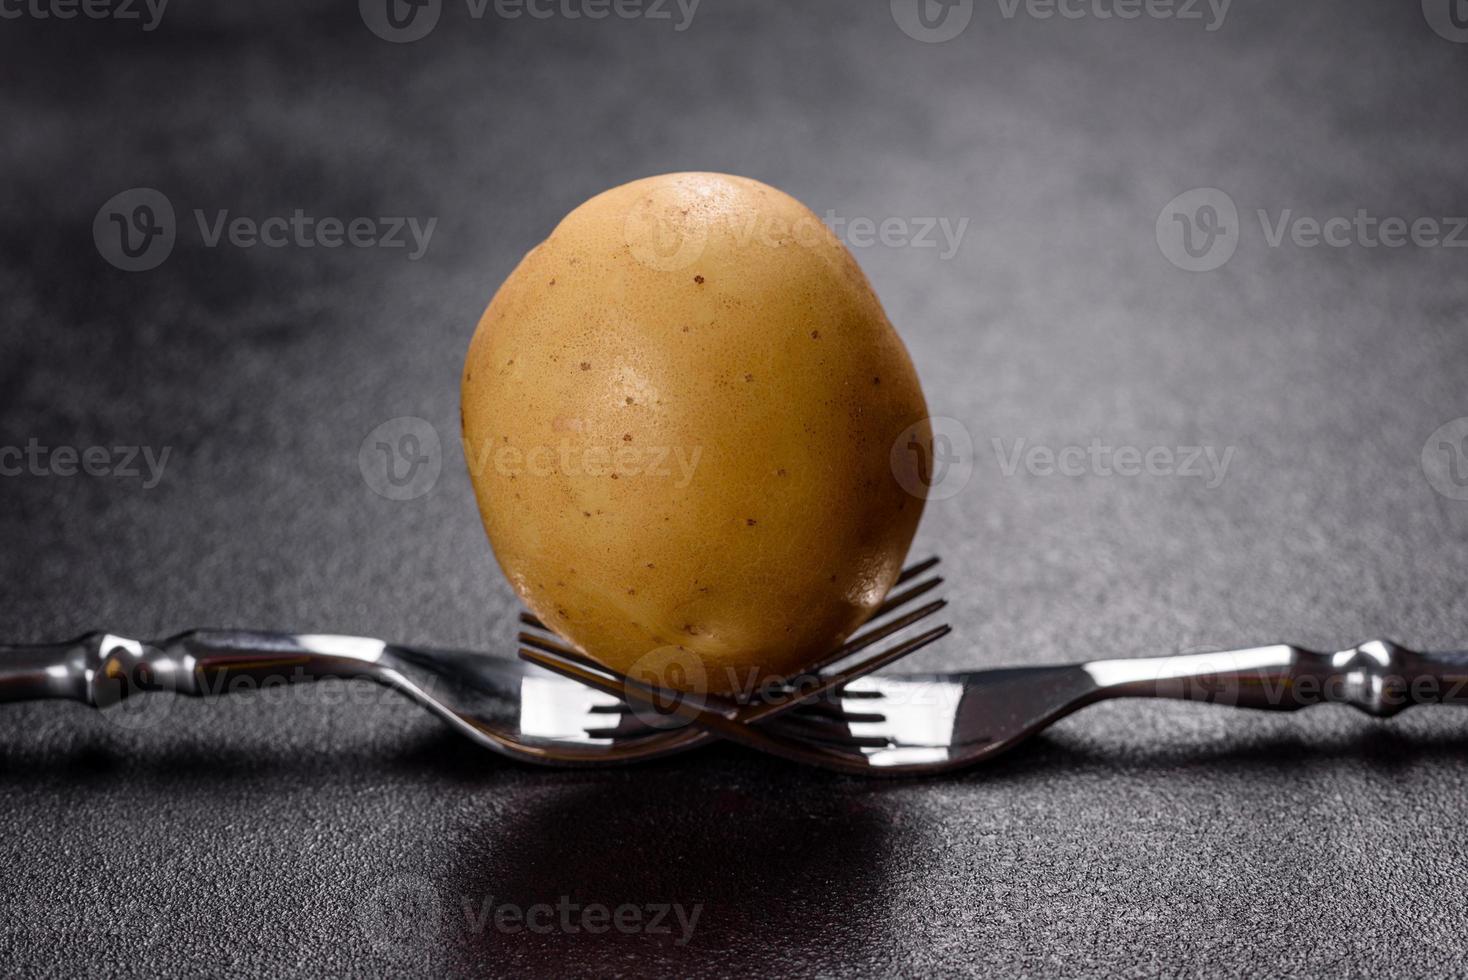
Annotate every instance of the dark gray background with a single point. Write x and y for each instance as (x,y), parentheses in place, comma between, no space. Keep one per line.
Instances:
(245,837)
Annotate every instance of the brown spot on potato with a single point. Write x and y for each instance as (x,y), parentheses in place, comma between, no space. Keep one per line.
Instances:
(627,437)
(698,279)
(815,335)
(586,365)
(749,377)
(750,521)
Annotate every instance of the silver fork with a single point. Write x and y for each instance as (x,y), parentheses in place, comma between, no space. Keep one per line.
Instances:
(932,723)
(501,703)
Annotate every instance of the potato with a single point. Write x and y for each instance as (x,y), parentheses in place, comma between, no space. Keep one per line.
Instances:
(679,412)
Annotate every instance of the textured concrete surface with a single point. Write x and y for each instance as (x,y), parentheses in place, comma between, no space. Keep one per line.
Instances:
(305,835)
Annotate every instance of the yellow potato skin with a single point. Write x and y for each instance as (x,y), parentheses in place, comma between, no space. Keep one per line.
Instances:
(678,412)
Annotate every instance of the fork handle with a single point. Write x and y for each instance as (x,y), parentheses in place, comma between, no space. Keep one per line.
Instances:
(100,669)
(1380,678)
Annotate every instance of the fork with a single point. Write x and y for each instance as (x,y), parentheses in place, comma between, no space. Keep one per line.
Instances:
(501,703)
(932,723)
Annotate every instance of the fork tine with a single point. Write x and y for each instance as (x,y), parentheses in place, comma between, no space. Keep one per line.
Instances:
(628,729)
(832,711)
(759,712)
(720,719)
(910,572)
(559,649)
(831,756)
(801,693)
(871,636)
(818,729)
(905,596)
(733,723)
(917,568)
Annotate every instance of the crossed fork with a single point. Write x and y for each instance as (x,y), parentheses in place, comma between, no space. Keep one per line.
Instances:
(841,718)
